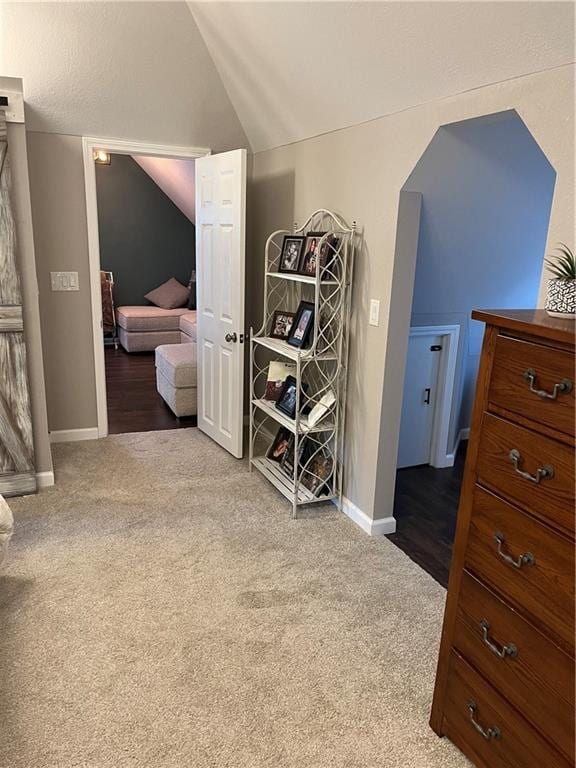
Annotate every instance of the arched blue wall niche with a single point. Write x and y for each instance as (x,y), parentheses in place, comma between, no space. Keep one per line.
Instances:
(487,192)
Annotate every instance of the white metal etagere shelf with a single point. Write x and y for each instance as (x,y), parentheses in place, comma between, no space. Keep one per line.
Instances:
(322,367)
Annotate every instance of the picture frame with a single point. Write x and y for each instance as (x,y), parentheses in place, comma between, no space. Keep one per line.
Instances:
(311,257)
(287,463)
(280,445)
(281,324)
(291,254)
(277,373)
(310,254)
(318,472)
(302,325)
(286,402)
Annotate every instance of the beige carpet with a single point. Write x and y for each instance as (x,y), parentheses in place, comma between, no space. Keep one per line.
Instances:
(160,609)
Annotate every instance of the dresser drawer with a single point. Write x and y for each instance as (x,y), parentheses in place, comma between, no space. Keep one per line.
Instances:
(542,585)
(522,664)
(515,744)
(521,367)
(509,455)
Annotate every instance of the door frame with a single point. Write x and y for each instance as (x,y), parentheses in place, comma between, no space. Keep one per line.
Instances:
(119,147)
(439,455)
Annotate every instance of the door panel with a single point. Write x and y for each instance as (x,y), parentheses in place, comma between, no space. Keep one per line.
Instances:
(17,472)
(207,403)
(226,387)
(220,255)
(418,405)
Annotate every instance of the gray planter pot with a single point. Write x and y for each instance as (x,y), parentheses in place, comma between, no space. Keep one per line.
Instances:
(561,298)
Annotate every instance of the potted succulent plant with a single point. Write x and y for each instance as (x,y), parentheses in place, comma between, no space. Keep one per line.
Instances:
(561,294)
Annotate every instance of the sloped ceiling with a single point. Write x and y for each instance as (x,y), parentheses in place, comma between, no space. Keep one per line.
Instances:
(176,178)
(129,70)
(210,73)
(295,70)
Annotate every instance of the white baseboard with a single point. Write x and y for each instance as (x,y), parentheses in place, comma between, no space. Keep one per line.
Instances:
(372,527)
(447,461)
(73,435)
(464,434)
(44,479)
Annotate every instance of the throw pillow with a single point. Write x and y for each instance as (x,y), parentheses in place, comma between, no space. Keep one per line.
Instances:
(169,295)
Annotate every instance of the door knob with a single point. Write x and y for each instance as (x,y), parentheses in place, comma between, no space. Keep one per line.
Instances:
(231,337)
(427,396)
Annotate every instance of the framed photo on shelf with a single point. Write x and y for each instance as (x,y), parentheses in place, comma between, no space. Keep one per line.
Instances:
(315,254)
(291,254)
(311,253)
(280,446)
(287,398)
(318,472)
(277,373)
(281,324)
(302,325)
(287,463)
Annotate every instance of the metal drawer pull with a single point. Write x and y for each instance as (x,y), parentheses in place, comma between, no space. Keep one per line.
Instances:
(526,559)
(564,386)
(488,733)
(541,473)
(501,651)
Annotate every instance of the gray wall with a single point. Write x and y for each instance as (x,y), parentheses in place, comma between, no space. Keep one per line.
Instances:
(486,196)
(144,238)
(61,241)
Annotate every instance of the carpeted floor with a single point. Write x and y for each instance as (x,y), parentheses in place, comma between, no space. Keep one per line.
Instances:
(160,609)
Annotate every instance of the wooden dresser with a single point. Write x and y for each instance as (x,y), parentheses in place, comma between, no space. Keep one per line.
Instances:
(505,683)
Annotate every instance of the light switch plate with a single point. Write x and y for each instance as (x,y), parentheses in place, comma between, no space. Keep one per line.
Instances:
(64,281)
(374,312)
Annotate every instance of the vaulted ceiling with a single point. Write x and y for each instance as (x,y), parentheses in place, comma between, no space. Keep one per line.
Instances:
(128,70)
(263,74)
(295,70)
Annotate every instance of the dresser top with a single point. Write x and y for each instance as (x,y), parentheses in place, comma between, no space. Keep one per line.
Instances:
(536,322)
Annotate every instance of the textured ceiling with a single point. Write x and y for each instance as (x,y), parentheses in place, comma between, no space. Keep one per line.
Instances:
(276,72)
(295,70)
(125,70)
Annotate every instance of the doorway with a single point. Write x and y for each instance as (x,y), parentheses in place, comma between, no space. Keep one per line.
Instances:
(484,189)
(127,399)
(218,361)
(428,392)
(146,223)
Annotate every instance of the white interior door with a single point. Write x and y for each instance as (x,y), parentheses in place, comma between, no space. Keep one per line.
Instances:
(220,258)
(420,395)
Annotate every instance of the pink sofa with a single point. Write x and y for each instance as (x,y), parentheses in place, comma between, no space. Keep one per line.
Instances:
(142,329)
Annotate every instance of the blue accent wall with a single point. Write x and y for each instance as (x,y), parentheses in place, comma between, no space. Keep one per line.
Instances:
(144,238)
(487,192)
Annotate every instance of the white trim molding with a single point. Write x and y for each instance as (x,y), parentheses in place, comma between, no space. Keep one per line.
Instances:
(74,435)
(15,110)
(44,479)
(380,527)
(122,147)
(464,434)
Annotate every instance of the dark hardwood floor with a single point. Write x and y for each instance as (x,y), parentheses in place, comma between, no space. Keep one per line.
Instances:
(425,508)
(134,405)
